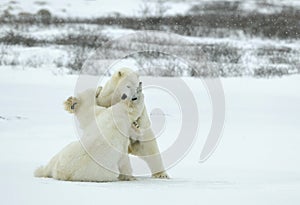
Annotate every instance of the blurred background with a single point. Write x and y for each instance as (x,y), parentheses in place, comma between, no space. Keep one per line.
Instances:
(238,38)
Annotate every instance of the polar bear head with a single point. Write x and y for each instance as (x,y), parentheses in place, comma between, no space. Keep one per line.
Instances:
(124,81)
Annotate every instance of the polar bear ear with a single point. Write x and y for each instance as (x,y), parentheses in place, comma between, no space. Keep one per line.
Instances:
(120,74)
(124,96)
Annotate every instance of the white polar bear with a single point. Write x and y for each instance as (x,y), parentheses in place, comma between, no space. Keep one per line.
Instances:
(100,156)
(145,145)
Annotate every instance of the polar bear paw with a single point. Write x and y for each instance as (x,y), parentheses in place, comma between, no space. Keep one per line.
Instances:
(123,177)
(135,125)
(71,104)
(161,175)
(136,128)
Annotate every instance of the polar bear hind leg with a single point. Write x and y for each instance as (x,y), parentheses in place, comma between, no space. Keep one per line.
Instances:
(46,171)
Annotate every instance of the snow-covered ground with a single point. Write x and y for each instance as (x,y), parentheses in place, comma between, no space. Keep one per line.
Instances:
(256,162)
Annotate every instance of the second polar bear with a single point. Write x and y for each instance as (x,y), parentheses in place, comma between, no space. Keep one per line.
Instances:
(144,146)
(102,153)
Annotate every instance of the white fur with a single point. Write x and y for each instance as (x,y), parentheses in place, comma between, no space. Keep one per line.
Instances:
(105,140)
(126,80)
(123,81)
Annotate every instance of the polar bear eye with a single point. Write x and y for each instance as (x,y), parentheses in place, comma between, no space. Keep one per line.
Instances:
(124,96)
(128,86)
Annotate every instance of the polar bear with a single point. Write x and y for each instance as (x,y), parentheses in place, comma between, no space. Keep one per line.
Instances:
(144,145)
(101,155)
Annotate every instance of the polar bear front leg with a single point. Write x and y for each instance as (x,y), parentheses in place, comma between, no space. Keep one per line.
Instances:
(125,169)
(150,148)
(146,145)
